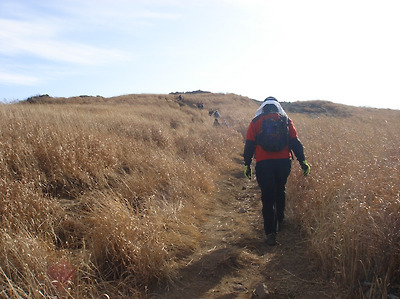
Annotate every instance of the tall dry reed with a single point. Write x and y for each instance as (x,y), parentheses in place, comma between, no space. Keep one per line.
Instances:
(350,204)
(111,187)
(115,188)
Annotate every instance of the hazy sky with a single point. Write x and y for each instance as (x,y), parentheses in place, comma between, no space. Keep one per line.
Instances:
(345,51)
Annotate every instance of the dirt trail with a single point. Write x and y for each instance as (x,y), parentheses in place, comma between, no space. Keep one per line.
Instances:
(234,258)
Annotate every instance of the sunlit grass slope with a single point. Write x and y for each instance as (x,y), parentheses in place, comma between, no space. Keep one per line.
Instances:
(114,188)
(350,205)
(109,192)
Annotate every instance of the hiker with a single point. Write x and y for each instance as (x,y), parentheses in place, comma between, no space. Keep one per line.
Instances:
(273,149)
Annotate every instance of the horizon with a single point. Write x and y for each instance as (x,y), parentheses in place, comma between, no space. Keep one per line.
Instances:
(199,91)
(342,52)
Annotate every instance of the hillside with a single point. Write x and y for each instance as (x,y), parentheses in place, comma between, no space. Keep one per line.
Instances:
(143,196)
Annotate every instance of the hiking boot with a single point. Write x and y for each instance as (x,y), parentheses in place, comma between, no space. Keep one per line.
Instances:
(271,239)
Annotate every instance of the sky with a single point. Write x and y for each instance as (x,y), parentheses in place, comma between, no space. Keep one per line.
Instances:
(343,51)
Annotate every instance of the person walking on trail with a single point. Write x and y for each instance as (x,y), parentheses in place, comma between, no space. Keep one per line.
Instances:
(272,138)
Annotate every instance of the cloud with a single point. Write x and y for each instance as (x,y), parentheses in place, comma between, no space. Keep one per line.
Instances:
(17,79)
(78,32)
(40,40)
(116,14)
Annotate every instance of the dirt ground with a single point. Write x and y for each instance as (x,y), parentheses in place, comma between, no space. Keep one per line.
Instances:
(234,259)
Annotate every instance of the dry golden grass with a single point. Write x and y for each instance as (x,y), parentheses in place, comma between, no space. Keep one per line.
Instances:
(117,188)
(113,186)
(350,204)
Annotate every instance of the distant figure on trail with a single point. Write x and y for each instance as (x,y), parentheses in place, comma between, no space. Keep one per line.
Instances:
(216,114)
(272,137)
(216,123)
(211,112)
(180,98)
(200,105)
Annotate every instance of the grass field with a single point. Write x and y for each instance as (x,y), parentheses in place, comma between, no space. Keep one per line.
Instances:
(350,206)
(104,195)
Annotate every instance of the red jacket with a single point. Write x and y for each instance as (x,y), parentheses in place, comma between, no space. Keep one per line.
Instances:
(260,154)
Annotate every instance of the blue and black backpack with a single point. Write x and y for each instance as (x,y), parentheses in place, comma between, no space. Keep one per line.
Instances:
(274,133)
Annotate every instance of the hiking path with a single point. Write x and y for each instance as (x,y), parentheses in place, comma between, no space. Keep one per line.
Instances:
(234,259)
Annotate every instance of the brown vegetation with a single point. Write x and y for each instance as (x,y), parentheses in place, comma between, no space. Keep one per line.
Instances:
(118,187)
(113,186)
(350,205)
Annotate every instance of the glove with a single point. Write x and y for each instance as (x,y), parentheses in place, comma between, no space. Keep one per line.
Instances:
(306,168)
(247,171)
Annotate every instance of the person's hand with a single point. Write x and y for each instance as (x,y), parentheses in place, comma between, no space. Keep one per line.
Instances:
(306,168)
(247,171)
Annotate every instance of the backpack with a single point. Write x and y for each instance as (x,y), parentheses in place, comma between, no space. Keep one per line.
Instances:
(274,133)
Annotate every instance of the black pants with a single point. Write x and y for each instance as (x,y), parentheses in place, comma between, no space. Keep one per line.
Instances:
(272,177)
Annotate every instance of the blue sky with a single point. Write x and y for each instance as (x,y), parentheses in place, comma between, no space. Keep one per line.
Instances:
(345,51)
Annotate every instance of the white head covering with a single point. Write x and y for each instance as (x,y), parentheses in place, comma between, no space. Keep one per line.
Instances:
(273,102)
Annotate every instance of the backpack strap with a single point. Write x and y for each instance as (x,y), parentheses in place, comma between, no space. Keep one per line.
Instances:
(255,119)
